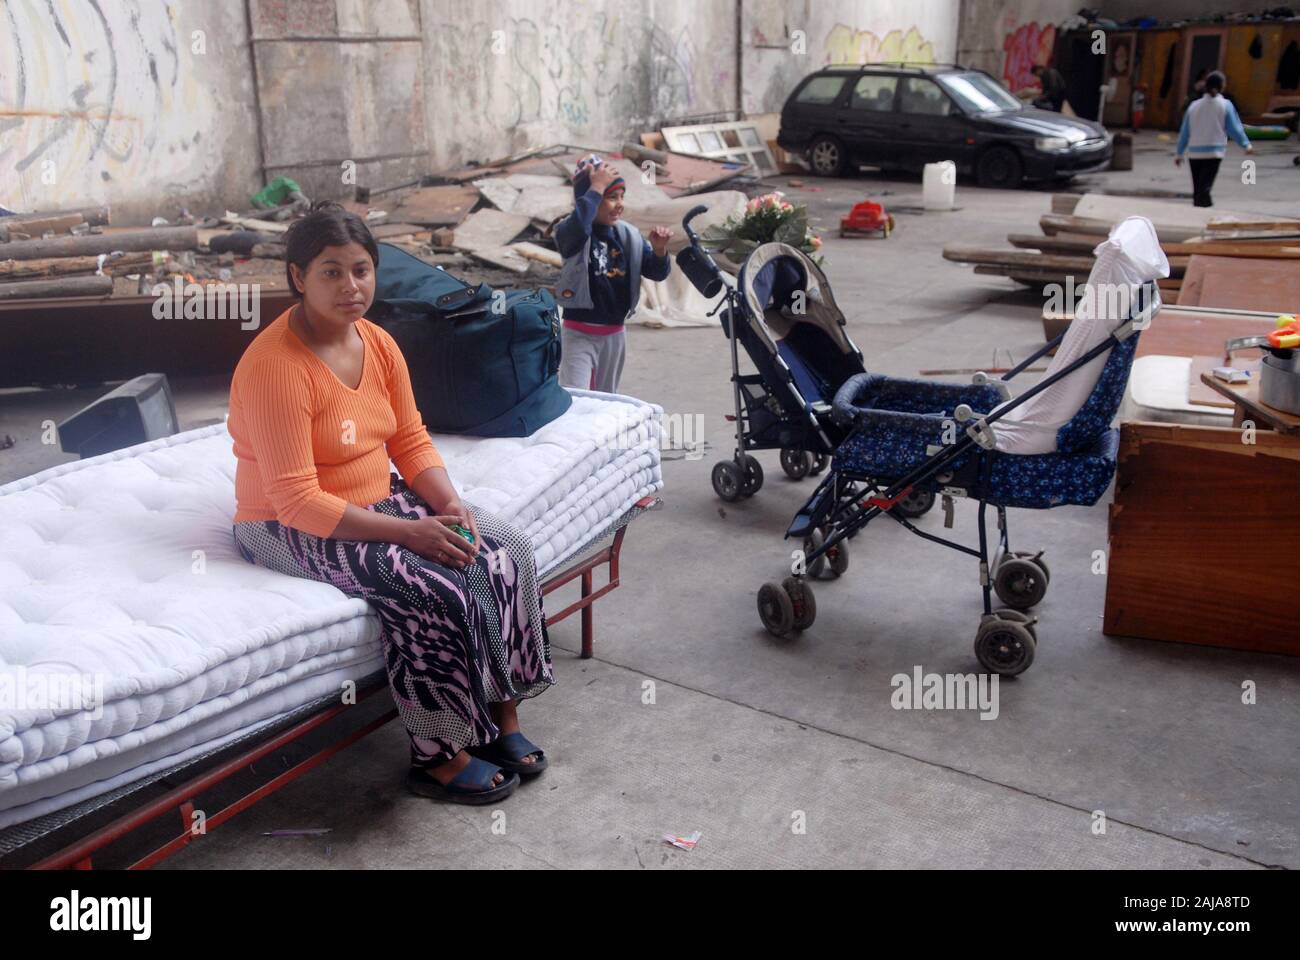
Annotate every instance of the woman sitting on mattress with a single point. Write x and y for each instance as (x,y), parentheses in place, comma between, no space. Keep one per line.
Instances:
(320,402)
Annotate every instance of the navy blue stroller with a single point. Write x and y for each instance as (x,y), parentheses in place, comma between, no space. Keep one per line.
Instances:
(782,312)
(910,437)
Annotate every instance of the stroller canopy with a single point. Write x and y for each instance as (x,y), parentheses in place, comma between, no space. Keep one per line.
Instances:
(771,280)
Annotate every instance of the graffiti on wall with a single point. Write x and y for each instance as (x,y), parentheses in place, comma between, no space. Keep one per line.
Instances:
(612,70)
(93,95)
(844,44)
(1024,46)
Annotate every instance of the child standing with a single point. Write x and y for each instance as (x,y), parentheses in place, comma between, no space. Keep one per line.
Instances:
(1207,125)
(600,283)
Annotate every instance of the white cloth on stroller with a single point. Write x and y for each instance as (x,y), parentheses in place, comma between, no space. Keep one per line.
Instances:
(1130,256)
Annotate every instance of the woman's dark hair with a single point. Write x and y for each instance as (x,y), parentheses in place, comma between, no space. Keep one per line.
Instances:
(1214,82)
(327,224)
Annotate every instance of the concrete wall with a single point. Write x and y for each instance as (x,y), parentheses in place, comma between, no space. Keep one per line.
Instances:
(157,104)
(341,89)
(784,40)
(147,104)
(1007,37)
(509,75)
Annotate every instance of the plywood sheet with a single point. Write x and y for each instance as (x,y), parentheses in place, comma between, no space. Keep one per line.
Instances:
(489,229)
(443,206)
(1240,284)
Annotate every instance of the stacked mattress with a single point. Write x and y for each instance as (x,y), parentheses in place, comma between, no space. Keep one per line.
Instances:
(133,636)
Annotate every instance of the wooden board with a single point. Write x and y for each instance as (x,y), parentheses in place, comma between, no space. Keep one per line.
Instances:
(1198,562)
(444,206)
(1176,332)
(1245,397)
(385,230)
(1267,285)
(1201,393)
(489,229)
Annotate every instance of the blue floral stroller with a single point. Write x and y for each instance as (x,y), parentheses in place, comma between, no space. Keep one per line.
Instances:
(782,312)
(910,437)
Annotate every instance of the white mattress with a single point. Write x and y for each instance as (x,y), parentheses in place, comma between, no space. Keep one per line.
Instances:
(122,568)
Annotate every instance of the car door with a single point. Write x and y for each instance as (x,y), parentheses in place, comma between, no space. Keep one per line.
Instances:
(930,126)
(866,118)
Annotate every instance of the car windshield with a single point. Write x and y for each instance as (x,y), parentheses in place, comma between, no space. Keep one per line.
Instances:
(978,93)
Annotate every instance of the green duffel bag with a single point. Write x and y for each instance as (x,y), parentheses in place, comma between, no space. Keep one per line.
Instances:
(483,362)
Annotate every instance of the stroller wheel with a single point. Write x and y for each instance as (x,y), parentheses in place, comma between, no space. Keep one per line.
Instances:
(752,472)
(818,464)
(837,557)
(811,543)
(1005,647)
(1019,616)
(803,601)
(726,480)
(775,609)
(1038,559)
(1020,583)
(915,504)
(797,464)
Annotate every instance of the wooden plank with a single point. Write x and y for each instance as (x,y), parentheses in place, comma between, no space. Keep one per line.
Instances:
(156,238)
(1075,244)
(1246,397)
(1267,285)
(506,258)
(54,288)
(1054,223)
(1061,243)
(489,229)
(71,266)
(1017,258)
(1064,202)
(1179,332)
(385,230)
(1227,533)
(1201,393)
(532,251)
(33,223)
(444,206)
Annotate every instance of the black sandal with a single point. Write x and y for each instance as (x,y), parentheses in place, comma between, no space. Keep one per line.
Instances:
(473,785)
(508,753)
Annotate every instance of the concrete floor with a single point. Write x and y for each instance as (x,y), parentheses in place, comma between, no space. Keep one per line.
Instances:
(749,737)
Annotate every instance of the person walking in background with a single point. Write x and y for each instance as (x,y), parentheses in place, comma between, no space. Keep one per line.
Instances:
(1207,125)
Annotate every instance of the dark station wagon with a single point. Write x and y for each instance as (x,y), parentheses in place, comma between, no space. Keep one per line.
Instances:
(905,116)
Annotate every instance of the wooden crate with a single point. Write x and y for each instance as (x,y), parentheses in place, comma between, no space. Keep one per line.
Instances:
(1204,538)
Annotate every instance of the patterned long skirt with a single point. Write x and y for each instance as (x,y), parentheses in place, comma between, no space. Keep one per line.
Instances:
(455,639)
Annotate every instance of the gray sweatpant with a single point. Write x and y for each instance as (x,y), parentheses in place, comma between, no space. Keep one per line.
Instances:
(591,361)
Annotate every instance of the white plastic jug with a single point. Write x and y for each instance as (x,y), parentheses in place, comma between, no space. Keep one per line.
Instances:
(939,185)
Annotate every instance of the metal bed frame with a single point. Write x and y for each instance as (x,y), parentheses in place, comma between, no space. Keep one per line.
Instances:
(61,838)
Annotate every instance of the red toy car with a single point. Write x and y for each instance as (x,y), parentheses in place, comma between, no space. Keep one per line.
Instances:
(866,218)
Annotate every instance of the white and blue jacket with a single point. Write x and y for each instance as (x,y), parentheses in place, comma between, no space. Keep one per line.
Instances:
(1207,124)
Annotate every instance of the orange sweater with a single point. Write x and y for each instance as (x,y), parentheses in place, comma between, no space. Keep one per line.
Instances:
(307,445)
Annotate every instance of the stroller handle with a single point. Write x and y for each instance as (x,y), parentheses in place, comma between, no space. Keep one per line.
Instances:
(691,215)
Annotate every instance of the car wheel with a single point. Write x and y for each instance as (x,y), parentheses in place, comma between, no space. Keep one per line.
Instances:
(827,157)
(999,167)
